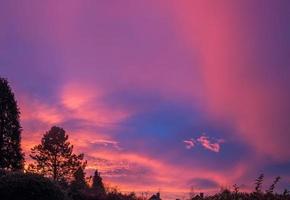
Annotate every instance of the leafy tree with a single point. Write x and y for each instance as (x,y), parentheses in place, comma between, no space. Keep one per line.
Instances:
(98,183)
(54,157)
(11,156)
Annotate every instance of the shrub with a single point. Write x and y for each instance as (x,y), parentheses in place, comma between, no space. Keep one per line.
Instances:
(28,187)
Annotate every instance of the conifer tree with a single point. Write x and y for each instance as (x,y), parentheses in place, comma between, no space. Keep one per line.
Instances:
(79,176)
(258,183)
(54,157)
(98,183)
(11,156)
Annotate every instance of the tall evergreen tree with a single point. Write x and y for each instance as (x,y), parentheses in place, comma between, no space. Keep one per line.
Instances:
(11,156)
(79,180)
(98,183)
(77,190)
(54,157)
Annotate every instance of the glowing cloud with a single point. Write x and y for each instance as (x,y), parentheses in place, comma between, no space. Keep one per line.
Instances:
(206,142)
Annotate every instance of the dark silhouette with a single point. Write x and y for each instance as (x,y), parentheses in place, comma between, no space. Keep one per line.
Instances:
(11,156)
(54,157)
(198,197)
(258,183)
(115,195)
(272,187)
(155,196)
(98,185)
(79,179)
(28,187)
(78,187)
(236,188)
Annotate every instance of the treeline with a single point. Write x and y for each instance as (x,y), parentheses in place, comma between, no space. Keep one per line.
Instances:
(256,194)
(56,172)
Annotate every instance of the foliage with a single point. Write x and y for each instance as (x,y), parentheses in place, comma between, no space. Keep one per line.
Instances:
(79,179)
(258,183)
(54,157)
(78,185)
(258,194)
(28,187)
(11,156)
(272,187)
(98,185)
(116,195)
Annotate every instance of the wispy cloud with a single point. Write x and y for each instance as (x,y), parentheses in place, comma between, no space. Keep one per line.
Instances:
(205,141)
(189,144)
(107,143)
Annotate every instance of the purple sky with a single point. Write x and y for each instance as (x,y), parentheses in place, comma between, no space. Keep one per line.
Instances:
(159,95)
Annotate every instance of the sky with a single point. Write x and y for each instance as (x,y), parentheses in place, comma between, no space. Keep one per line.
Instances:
(159,95)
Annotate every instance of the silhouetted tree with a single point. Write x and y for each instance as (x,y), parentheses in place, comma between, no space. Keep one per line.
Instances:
(11,156)
(258,183)
(272,187)
(236,188)
(54,157)
(98,185)
(79,180)
(155,196)
(78,185)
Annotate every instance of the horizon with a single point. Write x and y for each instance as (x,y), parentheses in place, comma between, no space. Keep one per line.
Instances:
(158,95)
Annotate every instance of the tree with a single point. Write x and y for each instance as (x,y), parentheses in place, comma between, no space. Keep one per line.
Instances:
(98,183)
(54,157)
(77,190)
(79,179)
(11,156)
(258,183)
(272,187)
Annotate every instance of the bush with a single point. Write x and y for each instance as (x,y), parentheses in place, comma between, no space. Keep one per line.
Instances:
(28,187)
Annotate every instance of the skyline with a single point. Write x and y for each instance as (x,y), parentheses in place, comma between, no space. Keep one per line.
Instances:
(174,94)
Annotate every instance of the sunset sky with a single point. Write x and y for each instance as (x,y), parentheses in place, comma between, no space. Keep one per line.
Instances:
(159,95)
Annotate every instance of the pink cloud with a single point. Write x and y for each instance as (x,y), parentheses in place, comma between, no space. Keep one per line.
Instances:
(206,142)
(189,144)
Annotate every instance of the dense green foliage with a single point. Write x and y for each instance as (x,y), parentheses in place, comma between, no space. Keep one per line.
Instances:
(11,156)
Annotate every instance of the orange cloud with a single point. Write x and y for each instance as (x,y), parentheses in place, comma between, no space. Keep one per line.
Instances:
(86,103)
